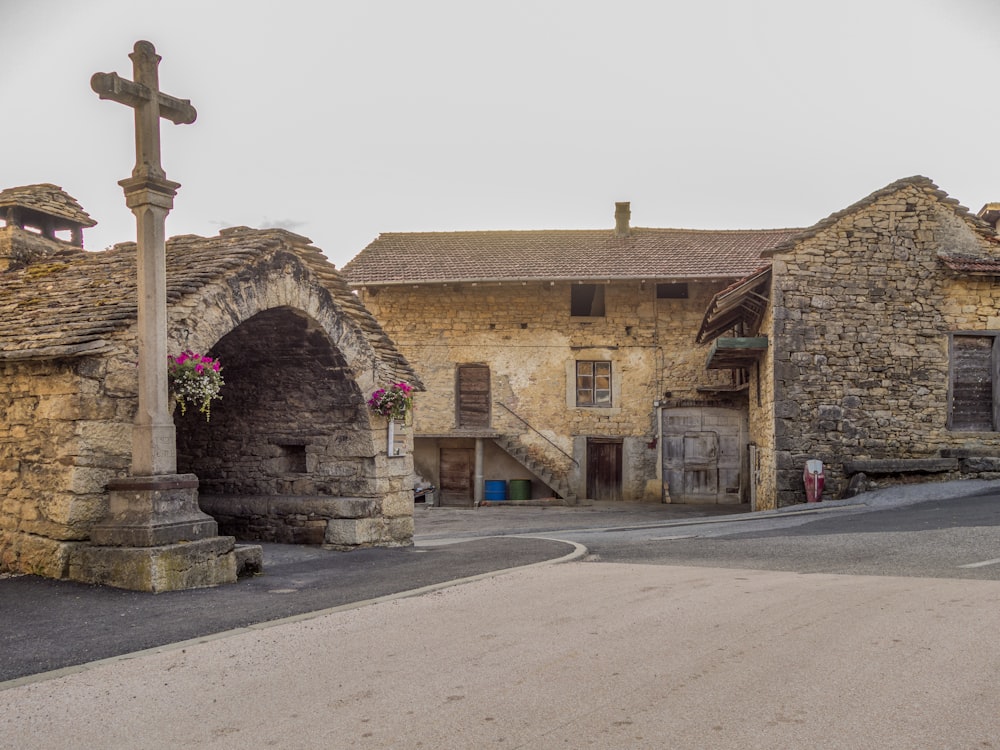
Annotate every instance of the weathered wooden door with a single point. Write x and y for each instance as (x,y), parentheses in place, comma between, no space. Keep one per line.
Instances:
(472,401)
(703,450)
(457,467)
(604,469)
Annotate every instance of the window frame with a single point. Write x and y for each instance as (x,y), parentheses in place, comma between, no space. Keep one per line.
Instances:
(607,392)
(594,302)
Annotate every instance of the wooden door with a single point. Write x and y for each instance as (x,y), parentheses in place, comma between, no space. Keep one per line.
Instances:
(703,450)
(604,469)
(457,467)
(472,398)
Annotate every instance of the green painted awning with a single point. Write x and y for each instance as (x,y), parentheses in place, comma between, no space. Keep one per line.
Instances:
(729,353)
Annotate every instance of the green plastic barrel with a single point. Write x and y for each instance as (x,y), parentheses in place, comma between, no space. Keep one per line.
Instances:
(520,489)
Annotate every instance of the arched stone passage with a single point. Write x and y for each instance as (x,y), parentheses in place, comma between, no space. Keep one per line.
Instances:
(291,421)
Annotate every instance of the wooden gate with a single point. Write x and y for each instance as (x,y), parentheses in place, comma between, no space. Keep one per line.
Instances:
(604,469)
(703,452)
(457,468)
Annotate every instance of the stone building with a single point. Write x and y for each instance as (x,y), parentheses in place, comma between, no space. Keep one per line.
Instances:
(708,366)
(564,362)
(291,453)
(870,342)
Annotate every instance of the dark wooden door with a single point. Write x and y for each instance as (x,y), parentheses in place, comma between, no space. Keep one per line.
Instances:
(972,372)
(473,396)
(457,466)
(604,469)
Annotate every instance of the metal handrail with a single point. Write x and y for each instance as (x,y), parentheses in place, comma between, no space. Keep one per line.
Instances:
(530,427)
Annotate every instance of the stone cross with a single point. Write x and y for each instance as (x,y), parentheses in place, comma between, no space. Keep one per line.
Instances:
(150,196)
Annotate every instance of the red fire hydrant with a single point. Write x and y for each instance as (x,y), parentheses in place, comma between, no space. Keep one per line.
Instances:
(813,477)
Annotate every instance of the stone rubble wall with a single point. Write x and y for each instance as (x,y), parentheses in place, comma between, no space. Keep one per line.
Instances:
(761,412)
(861,317)
(67,433)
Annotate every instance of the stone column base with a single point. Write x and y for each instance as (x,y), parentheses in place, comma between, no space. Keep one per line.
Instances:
(153,511)
(169,567)
(156,538)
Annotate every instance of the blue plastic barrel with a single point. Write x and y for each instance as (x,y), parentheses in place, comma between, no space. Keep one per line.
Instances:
(496,489)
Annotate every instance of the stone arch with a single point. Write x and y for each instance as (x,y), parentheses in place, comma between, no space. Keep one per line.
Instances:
(292,453)
(279,281)
(292,420)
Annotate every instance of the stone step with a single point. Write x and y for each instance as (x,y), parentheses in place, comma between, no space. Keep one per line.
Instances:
(249,560)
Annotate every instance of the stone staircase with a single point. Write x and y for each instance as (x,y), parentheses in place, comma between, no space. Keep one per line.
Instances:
(516,449)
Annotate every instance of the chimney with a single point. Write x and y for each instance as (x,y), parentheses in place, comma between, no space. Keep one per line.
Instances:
(990,213)
(622,215)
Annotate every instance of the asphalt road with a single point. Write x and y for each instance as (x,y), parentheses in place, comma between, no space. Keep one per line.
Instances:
(706,642)
(942,538)
(48,625)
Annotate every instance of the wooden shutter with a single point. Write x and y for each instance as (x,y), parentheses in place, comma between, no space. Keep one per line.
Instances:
(473,397)
(972,382)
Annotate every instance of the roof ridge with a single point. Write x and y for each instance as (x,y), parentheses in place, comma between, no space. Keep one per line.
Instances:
(918,181)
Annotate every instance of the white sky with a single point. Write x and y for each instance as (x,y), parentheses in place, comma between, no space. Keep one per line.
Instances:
(339,120)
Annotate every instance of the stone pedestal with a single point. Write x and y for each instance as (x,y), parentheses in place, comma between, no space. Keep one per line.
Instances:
(156,538)
(152,511)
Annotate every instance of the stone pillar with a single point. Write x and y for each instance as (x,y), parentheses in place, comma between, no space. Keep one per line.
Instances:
(479,479)
(154,443)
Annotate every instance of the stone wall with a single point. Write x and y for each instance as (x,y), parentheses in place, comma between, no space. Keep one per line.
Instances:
(761,414)
(529,340)
(66,433)
(862,313)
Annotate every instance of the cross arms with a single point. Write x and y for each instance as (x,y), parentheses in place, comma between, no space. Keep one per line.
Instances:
(114,87)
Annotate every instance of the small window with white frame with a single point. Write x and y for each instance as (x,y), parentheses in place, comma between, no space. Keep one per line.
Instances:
(593,383)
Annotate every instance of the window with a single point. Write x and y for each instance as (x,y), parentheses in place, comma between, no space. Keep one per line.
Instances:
(587,300)
(593,383)
(972,392)
(671,291)
(473,396)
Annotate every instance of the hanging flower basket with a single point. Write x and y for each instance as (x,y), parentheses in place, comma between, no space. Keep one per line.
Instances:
(393,402)
(195,379)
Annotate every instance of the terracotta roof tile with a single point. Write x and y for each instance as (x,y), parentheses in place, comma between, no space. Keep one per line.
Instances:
(412,257)
(969,264)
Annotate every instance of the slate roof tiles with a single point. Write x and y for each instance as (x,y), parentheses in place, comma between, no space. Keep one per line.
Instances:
(48,199)
(75,303)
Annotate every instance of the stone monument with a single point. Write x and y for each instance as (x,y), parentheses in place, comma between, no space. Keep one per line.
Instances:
(154,537)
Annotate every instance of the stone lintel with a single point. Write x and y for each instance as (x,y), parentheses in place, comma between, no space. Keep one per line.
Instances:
(171,567)
(153,511)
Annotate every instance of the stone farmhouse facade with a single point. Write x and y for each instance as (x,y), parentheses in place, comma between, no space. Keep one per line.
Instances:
(291,453)
(701,366)
(565,360)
